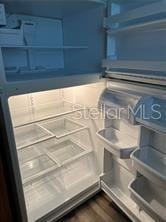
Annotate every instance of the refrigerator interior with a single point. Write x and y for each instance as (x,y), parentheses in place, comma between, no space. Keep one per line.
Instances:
(57,151)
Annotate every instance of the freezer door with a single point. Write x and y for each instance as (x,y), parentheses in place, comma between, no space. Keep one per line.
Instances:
(136,49)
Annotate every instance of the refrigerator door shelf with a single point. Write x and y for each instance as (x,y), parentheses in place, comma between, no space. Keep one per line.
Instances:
(62,127)
(120,104)
(150,163)
(156,125)
(30,134)
(115,185)
(118,143)
(117,179)
(126,204)
(149,197)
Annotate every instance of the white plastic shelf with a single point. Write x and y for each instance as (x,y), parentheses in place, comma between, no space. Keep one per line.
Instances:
(135,65)
(153,79)
(156,25)
(117,142)
(62,127)
(63,152)
(42,47)
(150,163)
(37,167)
(137,13)
(149,197)
(30,134)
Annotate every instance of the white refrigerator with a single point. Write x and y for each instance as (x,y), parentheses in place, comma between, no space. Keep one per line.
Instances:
(83,105)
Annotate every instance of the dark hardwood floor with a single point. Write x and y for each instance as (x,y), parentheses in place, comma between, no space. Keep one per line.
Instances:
(98,209)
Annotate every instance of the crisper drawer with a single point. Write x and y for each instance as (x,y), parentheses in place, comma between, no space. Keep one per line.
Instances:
(48,193)
(149,197)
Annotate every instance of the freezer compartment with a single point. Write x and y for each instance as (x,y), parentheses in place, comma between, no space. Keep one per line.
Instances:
(50,49)
(36,167)
(27,135)
(62,127)
(58,187)
(150,163)
(117,142)
(149,197)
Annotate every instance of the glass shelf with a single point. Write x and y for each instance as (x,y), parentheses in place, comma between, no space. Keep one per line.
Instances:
(36,167)
(55,109)
(29,134)
(64,151)
(28,153)
(62,127)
